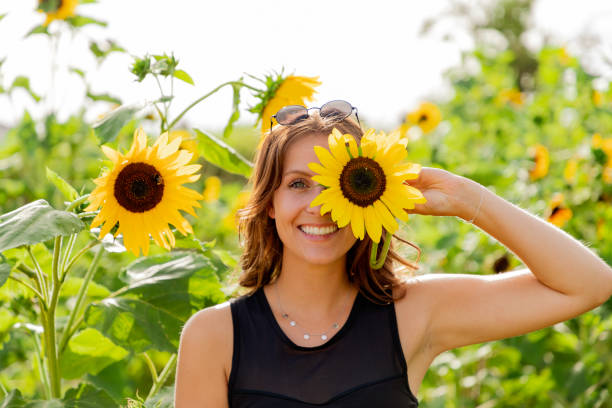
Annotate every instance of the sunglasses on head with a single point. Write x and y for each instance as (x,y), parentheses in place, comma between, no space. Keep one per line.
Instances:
(335,110)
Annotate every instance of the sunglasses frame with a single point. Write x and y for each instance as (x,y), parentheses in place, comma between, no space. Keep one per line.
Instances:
(307,110)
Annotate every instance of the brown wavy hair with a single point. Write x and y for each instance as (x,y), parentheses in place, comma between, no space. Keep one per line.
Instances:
(261,259)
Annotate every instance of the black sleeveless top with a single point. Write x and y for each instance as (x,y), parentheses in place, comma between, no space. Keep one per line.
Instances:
(362,365)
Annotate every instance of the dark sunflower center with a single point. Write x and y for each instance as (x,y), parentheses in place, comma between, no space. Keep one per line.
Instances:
(423,118)
(362,181)
(139,187)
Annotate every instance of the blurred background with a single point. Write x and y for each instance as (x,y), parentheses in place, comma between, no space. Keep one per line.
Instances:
(511,93)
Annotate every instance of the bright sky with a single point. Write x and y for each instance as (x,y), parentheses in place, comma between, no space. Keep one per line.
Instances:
(367,52)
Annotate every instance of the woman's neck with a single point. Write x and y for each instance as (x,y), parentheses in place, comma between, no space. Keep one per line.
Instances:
(316,290)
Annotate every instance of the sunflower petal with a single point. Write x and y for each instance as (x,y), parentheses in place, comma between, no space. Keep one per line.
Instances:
(373,224)
(357,222)
(385,216)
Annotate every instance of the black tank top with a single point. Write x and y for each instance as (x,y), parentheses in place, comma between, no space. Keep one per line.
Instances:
(362,365)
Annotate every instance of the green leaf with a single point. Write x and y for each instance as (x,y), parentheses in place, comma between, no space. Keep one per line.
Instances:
(135,324)
(14,399)
(39,29)
(179,283)
(5,271)
(80,21)
(183,76)
(36,222)
(24,82)
(107,129)
(62,185)
(78,71)
(103,97)
(163,399)
(94,290)
(88,352)
(235,113)
(222,155)
(87,396)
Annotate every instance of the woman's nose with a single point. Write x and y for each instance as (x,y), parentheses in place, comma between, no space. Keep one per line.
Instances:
(315,192)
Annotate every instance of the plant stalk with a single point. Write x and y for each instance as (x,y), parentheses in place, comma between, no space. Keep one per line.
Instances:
(163,376)
(68,330)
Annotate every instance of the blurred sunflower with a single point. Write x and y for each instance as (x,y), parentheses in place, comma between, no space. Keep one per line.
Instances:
(188,142)
(559,214)
(282,91)
(427,117)
(365,184)
(143,193)
(57,9)
(540,156)
(605,145)
(510,95)
(229,221)
(569,173)
(597,98)
(212,188)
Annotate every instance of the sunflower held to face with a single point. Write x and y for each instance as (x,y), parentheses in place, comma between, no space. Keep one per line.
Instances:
(143,193)
(57,9)
(365,184)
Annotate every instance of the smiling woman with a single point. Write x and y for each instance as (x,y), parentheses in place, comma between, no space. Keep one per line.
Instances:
(321,326)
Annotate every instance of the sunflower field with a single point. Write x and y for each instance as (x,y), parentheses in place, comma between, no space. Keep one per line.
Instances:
(100,269)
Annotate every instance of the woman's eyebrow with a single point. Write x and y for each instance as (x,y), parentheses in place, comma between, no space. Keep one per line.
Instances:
(306,173)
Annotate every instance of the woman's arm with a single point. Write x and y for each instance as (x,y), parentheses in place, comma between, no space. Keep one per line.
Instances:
(205,347)
(563,278)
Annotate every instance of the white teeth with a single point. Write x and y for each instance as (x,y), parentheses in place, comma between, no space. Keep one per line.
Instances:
(318,231)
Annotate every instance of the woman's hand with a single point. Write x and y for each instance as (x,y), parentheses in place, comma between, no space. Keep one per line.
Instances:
(447,193)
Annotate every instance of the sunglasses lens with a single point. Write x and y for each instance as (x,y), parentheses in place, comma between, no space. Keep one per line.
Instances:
(336,110)
(291,114)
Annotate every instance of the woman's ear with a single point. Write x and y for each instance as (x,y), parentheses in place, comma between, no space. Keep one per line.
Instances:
(271,211)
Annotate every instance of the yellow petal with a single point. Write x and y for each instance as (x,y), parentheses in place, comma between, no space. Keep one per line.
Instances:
(385,216)
(373,224)
(357,222)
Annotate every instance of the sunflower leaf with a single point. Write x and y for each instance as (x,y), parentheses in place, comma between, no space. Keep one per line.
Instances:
(103,97)
(39,29)
(163,399)
(87,396)
(179,282)
(62,185)
(80,21)
(5,271)
(36,222)
(183,76)
(107,129)
(236,111)
(222,155)
(24,82)
(135,324)
(89,352)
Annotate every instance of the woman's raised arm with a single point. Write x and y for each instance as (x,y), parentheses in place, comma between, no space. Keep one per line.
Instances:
(563,277)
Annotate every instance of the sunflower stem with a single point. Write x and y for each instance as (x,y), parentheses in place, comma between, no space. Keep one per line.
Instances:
(151,366)
(68,330)
(77,202)
(77,256)
(50,346)
(27,285)
(163,376)
(40,280)
(194,103)
(41,368)
(378,263)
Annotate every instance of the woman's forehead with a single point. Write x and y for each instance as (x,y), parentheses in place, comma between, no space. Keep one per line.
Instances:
(302,150)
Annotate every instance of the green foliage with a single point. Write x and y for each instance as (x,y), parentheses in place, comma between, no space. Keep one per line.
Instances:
(222,155)
(36,222)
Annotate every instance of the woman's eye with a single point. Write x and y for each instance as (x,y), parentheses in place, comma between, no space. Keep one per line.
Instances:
(297,184)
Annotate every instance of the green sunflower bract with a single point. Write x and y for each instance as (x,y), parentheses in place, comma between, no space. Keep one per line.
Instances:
(365,184)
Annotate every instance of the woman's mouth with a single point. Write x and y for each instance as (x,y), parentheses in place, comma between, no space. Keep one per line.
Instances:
(318,233)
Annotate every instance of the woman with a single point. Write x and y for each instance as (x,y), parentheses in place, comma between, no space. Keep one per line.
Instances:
(321,328)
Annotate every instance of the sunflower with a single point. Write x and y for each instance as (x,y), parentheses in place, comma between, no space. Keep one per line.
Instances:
(282,91)
(365,184)
(510,95)
(541,158)
(605,145)
(143,193)
(427,117)
(57,9)
(212,188)
(569,173)
(559,214)
(188,142)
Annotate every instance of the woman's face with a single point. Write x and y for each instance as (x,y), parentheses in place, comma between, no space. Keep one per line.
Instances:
(305,233)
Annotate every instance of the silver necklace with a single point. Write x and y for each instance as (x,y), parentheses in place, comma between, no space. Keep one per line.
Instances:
(293,323)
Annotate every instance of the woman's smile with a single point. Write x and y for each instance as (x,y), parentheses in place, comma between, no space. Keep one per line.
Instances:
(318,232)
